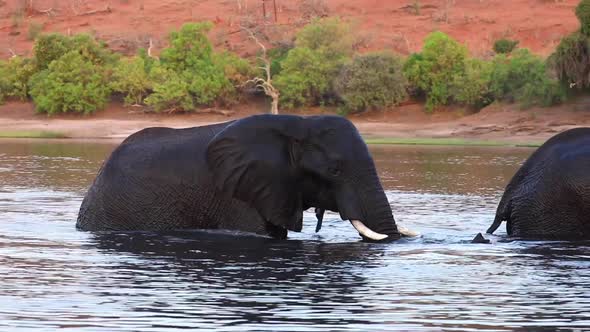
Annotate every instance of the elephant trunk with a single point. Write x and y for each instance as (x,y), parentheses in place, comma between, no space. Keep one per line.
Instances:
(365,204)
(379,216)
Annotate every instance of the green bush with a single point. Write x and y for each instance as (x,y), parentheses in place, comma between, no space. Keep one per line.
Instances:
(131,78)
(191,57)
(51,47)
(571,60)
(305,78)
(170,91)
(14,76)
(93,50)
(5,85)
(306,74)
(371,81)
(276,56)
(504,46)
(583,14)
(189,48)
(433,71)
(148,61)
(70,84)
(238,71)
(523,78)
(473,88)
(329,36)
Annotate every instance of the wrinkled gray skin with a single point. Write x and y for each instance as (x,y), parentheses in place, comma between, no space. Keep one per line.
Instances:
(257,174)
(549,196)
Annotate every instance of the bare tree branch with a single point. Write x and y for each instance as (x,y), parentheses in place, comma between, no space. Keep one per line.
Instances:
(149,50)
(49,12)
(261,83)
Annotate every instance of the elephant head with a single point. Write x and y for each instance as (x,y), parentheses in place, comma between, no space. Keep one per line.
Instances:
(282,165)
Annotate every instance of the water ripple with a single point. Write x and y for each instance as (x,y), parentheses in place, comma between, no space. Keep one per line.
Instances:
(56,277)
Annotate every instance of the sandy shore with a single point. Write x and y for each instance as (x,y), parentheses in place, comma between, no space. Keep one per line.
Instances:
(501,123)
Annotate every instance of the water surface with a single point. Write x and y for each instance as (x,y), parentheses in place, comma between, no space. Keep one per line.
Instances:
(53,276)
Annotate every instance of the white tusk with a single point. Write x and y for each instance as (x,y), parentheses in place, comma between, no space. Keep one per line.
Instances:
(366,231)
(406,232)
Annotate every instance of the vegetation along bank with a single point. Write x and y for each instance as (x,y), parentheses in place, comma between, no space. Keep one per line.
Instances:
(320,68)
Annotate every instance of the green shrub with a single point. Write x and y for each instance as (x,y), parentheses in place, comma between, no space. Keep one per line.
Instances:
(51,47)
(583,14)
(236,69)
(371,81)
(131,79)
(432,72)
(571,60)
(189,48)
(93,50)
(70,84)
(191,57)
(523,78)
(473,88)
(4,82)
(504,46)
(305,78)
(329,36)
(276,56)
(170,91)
(307,72)
(14,76)
(148,61)
(209,85)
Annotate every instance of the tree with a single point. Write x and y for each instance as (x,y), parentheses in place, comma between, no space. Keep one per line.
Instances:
(265,83)
(309,69)
(170,91)
(370,81)
(131,78)
(583,15)
(14,77)
(571,59)
(523,78)
(70,84)
(191,57)
(434,70)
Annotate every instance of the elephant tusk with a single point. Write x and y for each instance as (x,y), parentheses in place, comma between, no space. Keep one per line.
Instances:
(406,232)
(366,231)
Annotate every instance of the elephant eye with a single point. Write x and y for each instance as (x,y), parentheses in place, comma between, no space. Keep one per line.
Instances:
(334,171)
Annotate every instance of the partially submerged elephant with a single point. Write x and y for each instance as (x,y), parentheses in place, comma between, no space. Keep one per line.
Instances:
(257,174)
(549,196)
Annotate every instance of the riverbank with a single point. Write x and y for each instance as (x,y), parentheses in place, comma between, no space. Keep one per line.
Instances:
(408,124)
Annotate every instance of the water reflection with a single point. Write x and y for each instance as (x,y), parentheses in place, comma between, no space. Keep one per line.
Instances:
(242,279)
(61,165)
(447,170)
(55,277)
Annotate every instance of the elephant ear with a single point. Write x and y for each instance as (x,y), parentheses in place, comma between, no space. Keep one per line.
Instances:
(255,160)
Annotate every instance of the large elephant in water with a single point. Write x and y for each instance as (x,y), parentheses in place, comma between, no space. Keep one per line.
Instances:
(549,196)
(257,174)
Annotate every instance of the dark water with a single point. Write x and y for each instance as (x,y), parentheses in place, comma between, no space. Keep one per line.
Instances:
(52,276)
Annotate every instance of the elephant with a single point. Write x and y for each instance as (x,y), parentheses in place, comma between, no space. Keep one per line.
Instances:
(256,174)
(549,196)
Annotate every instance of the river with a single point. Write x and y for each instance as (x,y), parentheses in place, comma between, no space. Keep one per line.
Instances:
(53,276)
